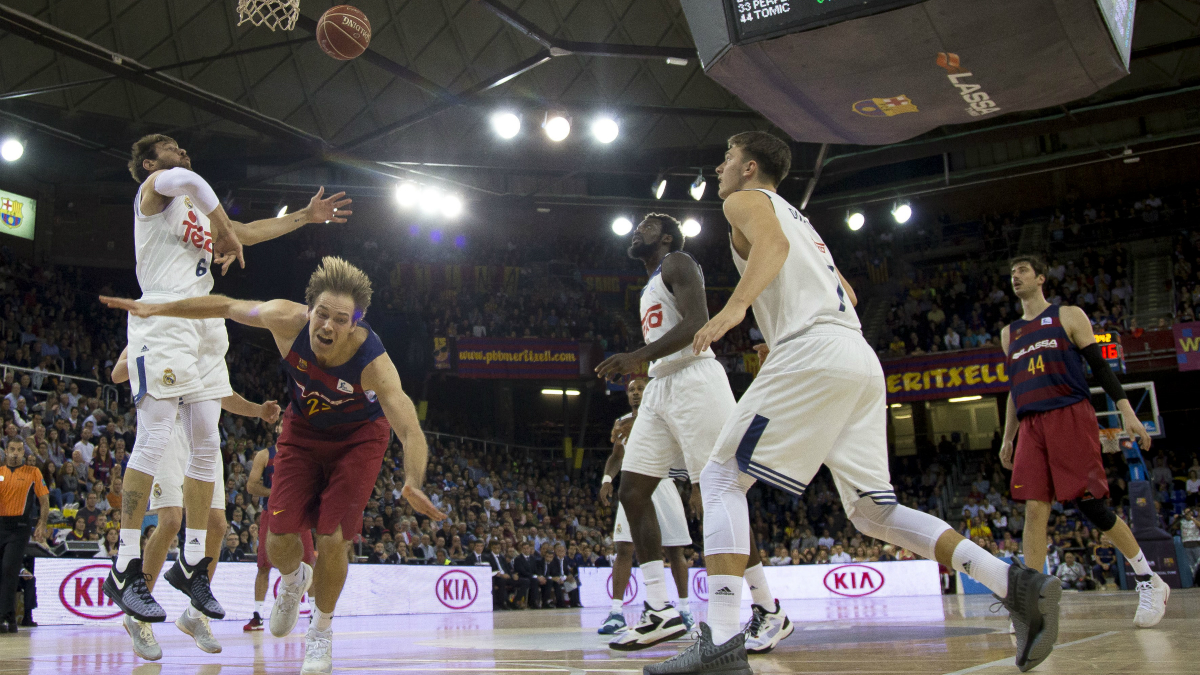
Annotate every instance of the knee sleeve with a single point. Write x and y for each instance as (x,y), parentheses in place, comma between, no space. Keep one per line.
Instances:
(726,515)
(200,420)
(1097,513)
(914,530)
(155,424)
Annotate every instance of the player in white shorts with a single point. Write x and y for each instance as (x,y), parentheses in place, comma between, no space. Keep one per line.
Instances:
(166,502)
(818,399)
(668,508)
(177,365)
(680,417)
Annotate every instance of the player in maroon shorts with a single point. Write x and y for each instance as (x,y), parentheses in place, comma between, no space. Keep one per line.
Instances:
(1058,452)
(345,392)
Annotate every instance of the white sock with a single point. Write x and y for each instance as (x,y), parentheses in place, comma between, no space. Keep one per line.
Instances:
(981,566)
(759,590)
(194,613)
(693,605)
(129,548)
(193,545)
(322,620)
(1141,566)
(295,577)
(656,583)
(258,607)
(724,606)
(618,604)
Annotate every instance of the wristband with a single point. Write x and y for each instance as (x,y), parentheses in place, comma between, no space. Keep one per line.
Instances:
(607,479)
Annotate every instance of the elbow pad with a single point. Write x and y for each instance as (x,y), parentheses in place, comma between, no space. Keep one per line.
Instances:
(1103,372)
(179,181)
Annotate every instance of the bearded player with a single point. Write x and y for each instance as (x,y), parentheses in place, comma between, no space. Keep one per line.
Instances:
(820,398)
(668,508)
(345,393)
(178,365)
(1057,455)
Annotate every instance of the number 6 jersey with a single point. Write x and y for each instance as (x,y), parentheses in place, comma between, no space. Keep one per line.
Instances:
(660,313)
(174,250)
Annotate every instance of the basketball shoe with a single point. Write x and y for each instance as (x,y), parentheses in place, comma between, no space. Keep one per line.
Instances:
(198,629)
(1152,603)
(144,643)
(286,611)
(192,580)
(766,629)
(654,626)
(255,623)
(129,591)
(318,651)
(706,658)
(613,624)
(1032,603)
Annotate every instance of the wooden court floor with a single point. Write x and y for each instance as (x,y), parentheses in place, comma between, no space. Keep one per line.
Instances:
(951,635)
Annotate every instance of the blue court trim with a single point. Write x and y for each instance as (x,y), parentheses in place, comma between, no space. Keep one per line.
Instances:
(141,370)
(750,440)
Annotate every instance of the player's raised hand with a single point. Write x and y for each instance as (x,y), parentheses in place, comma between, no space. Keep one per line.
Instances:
(226,249)
(420,502)
(331,209)
(620,430)
(270,412)
(717,327)
(618,365)
(138,309)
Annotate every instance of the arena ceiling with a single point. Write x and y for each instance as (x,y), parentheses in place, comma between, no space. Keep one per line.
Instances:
(270,108)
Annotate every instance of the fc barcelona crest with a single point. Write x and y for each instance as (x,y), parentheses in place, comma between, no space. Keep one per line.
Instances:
(10,213)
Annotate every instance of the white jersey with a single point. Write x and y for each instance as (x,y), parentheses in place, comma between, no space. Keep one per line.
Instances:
(807,290)
(174,250)
(660,313)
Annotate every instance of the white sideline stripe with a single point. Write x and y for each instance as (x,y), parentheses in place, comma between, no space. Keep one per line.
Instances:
(1008,661)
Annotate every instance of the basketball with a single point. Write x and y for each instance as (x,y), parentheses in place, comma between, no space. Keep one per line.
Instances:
(343,32)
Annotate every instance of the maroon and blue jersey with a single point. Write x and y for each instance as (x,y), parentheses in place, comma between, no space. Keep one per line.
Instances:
(1045,368)
(268,473)
(333,396)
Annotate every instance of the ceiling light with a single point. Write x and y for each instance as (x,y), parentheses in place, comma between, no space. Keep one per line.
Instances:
(282,211)
(506,124)
(902,212)
(659,187)
(896,405)
(676,61)
(698,185)
(855,220)
(560,392)
(605,129)
(557,126)
(452,206)
(407,195)
(431,200)
(11,150)
(690,227)
(622,226)
(964,399)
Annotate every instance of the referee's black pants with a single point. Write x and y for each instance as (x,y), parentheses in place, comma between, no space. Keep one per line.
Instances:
(14,535)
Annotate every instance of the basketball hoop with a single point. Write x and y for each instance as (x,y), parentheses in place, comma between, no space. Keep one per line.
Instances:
(1110,440)
(270,13)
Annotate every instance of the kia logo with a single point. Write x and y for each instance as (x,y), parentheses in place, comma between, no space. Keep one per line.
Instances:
(82,593)
(700,586)
(456,589)
(304,610)
(853,581)
(631,589)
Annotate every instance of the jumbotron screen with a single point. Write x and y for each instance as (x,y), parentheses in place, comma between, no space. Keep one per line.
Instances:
(760,19)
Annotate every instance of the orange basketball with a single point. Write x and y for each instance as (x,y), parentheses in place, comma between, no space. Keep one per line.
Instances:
(343,32)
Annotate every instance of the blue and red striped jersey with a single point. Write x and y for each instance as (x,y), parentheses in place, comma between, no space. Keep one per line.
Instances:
(1045,368)
(329,397)
(268,473)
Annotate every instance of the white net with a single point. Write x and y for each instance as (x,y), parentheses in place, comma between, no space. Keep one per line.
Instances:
(270,13)
(1110,440)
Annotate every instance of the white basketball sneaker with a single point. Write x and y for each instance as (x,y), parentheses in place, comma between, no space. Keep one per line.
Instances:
(766,629)
(286,611)
(654,626)
(1153,601)
(318,651)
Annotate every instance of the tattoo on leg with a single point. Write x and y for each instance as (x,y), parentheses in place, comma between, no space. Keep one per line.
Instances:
(133,502)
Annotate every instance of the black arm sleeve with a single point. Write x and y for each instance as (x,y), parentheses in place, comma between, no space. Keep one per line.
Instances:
(1103,373)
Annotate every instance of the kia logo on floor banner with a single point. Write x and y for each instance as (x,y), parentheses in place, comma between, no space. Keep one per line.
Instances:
(853,580)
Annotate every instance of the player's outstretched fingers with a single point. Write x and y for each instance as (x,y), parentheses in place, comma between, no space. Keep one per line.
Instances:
(419,501)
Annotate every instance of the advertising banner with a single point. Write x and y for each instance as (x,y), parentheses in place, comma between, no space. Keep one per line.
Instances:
(18,214)
(517,358)
(70,591)
(1187,345)
(792,582)
(945,375)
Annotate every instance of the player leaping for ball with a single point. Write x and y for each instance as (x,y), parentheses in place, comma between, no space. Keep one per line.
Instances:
(1058,451)
(820,398)
(345,392)
(177,366)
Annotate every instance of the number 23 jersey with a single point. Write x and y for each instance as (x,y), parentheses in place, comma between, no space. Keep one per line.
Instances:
(331,396)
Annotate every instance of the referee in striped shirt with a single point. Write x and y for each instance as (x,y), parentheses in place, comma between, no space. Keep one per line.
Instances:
(16,482)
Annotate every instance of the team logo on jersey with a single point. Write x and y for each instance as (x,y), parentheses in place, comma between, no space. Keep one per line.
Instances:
(157,491)
(618,528)
(1047,321)
(187,201)
(820,246)
(195,234)
(10,213)
(370,395)
(168,377)
(884,107)
(345,386)
(301,365)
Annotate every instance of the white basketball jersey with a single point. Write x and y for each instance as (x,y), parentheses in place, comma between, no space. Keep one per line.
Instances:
(174,249)
(660,313)
(807,290)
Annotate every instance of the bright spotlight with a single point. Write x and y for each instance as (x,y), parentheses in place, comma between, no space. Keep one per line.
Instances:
(660,187)
(407,195)
(506,124)
(431,200)
(622,226)
(557,127)
(11,150)
(690,227)
(698,185)
(856,220)
(902,213)
(605,129)
(282,211)
(452,206)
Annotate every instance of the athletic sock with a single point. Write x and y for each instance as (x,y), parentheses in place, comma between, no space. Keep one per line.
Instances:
(656,583)
(724,606)
(618,604)
(193,546)
(1141,566)
(129,548)
(693,606)
(322,620)
(258,607)
(295,577)
(759,590)
(194,613)
(981,566)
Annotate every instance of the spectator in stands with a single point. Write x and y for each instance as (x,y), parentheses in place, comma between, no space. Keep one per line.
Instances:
(839,555)
(92,516)
(1072,574)
(231,550)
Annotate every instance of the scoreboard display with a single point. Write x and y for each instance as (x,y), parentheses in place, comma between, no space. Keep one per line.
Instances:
(753,20)
(1111,350)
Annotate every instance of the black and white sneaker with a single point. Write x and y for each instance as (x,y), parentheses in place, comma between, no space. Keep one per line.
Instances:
(705,658)
(1032,603)
(193,581)
(129,591)
(654,626)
